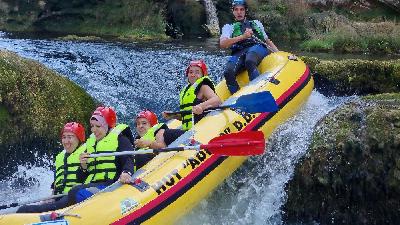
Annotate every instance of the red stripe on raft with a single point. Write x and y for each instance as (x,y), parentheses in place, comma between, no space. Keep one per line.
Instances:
(197,171)
(168,193)
(279,101)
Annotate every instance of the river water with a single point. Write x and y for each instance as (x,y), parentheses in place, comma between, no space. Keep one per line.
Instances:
(133,76)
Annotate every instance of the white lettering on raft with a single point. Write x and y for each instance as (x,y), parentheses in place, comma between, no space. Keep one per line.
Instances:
(173,177)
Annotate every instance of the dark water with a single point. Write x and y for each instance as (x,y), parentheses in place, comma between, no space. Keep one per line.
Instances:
(133,76)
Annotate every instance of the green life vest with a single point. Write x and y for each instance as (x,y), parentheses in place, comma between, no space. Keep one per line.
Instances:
(103,168)
(149,136)
(187,98)
(239,28)
(151,133)
(66,173)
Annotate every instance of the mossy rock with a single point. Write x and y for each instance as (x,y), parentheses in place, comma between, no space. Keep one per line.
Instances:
(35,102)
(355,76)
(351,174)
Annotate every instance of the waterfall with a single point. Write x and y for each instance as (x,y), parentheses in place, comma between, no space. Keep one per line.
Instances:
(212,25)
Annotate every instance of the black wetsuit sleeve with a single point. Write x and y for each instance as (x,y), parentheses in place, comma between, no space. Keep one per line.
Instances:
(124,162)
(170,135)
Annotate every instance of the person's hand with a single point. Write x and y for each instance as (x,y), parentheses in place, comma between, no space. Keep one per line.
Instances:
(142,143)
(125,178)
(197,109)
(83,158)
(248,33)
(166,115)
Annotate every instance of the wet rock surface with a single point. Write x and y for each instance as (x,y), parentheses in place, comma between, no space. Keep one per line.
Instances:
(35,102)
(355,76)
(351,174)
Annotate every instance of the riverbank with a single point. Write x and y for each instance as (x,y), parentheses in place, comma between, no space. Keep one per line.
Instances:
(323,26)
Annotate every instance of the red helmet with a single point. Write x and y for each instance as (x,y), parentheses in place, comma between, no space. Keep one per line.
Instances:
(199,63)
(109,115)
(149,115)
(75,128)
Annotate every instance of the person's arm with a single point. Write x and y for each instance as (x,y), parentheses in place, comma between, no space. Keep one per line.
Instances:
(124,163)
(159,142)
(210,97)
(226,41)
(272,45)
(168,116)
(82,172)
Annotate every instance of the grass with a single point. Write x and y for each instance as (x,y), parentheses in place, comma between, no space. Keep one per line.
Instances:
(357,40)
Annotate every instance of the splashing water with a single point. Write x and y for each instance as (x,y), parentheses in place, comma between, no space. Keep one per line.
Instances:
(255,192)
(29,178)
(131,77)
(127,76)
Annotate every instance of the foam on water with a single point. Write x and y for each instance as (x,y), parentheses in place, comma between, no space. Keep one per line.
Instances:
(126,76)
(255,193)
(29,182)
(129,78)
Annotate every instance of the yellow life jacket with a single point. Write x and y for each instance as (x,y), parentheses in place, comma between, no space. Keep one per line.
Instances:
(187,98)
(151,132)
(103,168)
(150,136)
(66,170)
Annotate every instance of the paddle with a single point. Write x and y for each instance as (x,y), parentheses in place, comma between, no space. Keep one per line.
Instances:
(272,79)
(15,204)
(234,144)
(252,103)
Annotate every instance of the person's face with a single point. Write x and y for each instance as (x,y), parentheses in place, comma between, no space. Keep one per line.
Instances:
(239,12)
(142,126)
(194,73)
(69,141)
(99,131)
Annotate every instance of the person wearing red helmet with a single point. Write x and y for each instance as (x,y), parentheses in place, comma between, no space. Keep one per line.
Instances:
(149,135)
(98,173)
(72,135)
(198,95)
(67,165)
(249,44)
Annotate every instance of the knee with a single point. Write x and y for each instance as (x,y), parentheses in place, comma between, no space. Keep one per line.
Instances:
(250,63)
(229,70)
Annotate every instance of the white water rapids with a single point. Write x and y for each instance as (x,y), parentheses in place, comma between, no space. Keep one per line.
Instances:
(113,73)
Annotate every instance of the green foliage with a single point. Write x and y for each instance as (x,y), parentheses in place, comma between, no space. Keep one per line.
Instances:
(4,116)
(282,18)
(317,45)
(374,13)
(125,18)
(353,44)
(354,76)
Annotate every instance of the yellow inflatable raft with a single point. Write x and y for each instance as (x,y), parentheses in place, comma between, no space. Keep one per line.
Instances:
(174,182)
